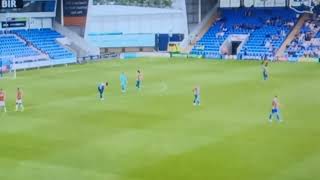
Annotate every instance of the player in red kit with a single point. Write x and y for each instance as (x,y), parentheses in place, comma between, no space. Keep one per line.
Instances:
(19,104)
(3,100)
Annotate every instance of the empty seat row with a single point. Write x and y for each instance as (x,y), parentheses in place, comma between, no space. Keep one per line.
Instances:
(45,40)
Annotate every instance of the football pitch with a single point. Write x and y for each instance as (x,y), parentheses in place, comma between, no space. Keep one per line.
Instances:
(67,133)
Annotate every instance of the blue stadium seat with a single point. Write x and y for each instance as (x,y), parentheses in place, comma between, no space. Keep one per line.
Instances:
(11,46)
(45,40)
(254,25)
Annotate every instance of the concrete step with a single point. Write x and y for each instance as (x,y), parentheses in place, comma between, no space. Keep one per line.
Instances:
(199,31)
(296,30)
(79,44)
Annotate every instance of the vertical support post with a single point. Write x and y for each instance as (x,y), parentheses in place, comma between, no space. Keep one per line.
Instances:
(62,12)
(199,11)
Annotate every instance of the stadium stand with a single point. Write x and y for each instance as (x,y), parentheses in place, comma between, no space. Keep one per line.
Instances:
(306,43)
(11,46)
(45,40)
(267,29)
(316,10)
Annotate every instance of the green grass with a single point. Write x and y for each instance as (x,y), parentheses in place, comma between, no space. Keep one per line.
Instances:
(66,133)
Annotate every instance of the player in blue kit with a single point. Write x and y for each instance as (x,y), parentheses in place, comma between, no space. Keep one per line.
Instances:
(101,88)
(275,109)
(265,72)
(123,82)
(196,93)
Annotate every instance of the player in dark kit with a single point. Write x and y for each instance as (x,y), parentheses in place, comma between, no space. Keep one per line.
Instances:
(265,72)
(196,93)
(101,89)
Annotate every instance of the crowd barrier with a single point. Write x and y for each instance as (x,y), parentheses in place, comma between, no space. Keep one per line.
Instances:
(44,63)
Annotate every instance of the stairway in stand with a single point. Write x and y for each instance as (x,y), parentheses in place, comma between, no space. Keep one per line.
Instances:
(291,36)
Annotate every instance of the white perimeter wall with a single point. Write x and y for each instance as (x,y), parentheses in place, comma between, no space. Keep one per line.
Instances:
(151,23)
(134,20)
(265,3)
(33,23)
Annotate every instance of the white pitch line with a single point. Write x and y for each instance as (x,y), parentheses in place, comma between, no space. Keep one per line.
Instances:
(164,87)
